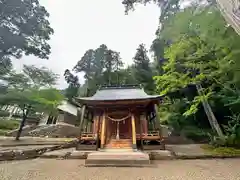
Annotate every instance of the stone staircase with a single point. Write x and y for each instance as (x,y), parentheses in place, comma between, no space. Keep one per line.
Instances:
(119,144)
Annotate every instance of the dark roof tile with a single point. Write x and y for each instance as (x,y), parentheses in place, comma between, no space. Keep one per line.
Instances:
(111,94)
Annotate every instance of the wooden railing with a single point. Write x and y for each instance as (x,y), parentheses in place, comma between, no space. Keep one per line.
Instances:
(87,136)
(151,135)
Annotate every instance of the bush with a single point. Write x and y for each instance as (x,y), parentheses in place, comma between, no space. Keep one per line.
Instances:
(232,134)
(3,132)
(226,141)
(222,150)
(196,134)
(11,124)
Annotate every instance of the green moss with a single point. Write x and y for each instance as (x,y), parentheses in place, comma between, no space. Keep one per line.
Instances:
(221,150)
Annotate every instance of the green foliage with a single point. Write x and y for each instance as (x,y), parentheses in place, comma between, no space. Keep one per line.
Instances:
(40,100)
(196,134)
(232,134)
(73,85)
(33,93)
(8,124)
(142,71)
(31,90)
(39,77)
(3,132)
(4,113)
(100,66)
(199,53)
(24,29)
(32,77)
(227,151)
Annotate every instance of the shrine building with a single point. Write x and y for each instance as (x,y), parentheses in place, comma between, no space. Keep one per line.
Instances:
(119,117)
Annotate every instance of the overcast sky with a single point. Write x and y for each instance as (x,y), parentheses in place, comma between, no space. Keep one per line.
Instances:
(83,24)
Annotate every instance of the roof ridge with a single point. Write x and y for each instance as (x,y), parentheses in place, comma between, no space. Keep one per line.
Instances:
(125,86)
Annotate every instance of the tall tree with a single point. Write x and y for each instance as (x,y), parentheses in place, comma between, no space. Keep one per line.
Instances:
(73,85)
(101,66)
(112,64)
(202,52)
(24,28)
(142,70)
(40,76)
(32,100)
(31,91)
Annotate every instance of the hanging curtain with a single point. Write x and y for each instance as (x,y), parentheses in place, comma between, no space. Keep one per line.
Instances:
(231,12)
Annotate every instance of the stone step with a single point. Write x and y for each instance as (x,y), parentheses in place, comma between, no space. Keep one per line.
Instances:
(117,146)
(117,158)
(121,143)
(120,140)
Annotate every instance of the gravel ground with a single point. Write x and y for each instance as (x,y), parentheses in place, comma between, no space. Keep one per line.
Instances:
(51,169)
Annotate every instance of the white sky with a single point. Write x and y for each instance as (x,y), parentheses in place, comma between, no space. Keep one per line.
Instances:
(83,24)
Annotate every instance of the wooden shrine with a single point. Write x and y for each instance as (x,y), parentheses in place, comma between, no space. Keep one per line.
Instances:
(119,117)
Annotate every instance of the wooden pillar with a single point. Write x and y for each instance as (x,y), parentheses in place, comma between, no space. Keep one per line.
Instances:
(145,125)
(141,130)
(97,131)
(134,145)
(80,114)
(86,126)
(103,130)
(93,126)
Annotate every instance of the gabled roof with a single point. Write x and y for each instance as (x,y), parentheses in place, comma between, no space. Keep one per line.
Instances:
(67,107)
(120,93)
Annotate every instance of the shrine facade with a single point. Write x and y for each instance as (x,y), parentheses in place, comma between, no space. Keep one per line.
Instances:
(119,117)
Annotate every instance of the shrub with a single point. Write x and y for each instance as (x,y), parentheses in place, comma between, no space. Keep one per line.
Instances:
(3,132)
(232,134)
(11,124)
(221,150)
(196,134)
(4,113)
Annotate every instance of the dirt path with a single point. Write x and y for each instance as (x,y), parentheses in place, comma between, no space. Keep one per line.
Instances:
(39,169)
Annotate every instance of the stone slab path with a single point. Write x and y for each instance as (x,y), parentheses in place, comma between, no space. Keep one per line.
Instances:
(187,150)
(10,141)
(52,169)
(23,148)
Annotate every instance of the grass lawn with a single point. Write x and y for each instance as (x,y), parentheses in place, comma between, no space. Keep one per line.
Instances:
(221,150)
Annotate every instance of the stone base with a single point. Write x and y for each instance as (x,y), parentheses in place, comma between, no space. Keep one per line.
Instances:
(117,158)
(160,155)
(84,147)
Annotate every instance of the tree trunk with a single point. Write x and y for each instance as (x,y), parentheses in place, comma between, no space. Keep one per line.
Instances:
(208,110)
(24,118)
